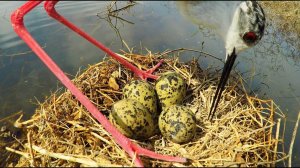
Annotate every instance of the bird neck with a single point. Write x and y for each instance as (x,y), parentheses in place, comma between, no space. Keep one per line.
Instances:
(233,37)
(232,34)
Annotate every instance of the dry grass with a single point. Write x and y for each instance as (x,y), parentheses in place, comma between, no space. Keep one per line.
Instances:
(63,133)
(285,15)
(286,12)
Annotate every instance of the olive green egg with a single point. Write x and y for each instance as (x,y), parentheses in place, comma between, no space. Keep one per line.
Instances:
(132,119)
(144,93)
(170,89)
(177,124)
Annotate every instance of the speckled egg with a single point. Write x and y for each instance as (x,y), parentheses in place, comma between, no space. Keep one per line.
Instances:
(144,93)
(177,123)
(132,119)
(170,89)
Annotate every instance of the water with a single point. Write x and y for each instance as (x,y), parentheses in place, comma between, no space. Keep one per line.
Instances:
(272,67)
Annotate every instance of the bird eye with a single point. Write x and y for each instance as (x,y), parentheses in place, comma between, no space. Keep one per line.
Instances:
(250,37)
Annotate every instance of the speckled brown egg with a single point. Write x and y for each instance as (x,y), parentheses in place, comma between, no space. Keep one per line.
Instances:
(144,93)
(132,119)
(170,89)
(177,123)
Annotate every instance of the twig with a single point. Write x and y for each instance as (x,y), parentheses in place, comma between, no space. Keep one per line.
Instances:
(126,45)
(19,124)
(26,155)
(293,140)
(127,21)
(187,49)
(115,14)
(101,138)
(30,150)
(123,8)
(11,116)
(277,137)
(85,161)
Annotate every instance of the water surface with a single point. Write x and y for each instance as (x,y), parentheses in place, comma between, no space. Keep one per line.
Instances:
(271,67)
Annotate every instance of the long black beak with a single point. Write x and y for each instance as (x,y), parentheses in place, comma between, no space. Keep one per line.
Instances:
(225,74)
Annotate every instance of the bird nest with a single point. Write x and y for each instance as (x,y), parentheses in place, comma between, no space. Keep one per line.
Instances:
(63,133)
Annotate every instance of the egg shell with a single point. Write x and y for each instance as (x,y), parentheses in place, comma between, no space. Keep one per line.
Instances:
(177,124)
(170,89)
(142,92)
(132,119)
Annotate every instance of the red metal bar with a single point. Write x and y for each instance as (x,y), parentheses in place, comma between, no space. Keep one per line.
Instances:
(18,25)
(49,7)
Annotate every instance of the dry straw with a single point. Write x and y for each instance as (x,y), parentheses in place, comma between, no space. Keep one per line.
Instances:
(63,133)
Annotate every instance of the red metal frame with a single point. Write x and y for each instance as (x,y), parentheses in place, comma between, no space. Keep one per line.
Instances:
(132,149)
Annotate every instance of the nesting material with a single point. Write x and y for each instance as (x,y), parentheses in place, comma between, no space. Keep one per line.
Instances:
(63,133)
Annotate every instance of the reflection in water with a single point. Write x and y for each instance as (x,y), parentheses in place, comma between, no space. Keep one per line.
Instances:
(113,18)
(272,65)
(217,16)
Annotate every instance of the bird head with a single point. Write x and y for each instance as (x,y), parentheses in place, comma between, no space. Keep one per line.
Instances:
(246,30)
(240,24)
(247,27)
